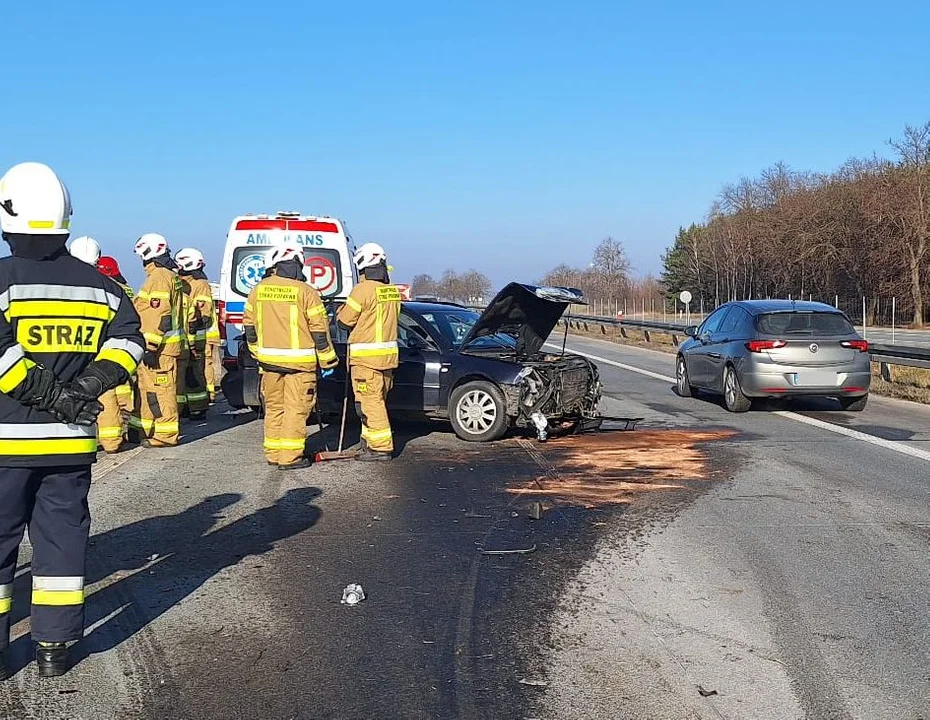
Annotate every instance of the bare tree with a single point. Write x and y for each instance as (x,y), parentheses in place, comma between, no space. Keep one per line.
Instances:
(475,287)
(422,284)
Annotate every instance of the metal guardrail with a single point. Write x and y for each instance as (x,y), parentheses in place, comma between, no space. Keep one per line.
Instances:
(886,355)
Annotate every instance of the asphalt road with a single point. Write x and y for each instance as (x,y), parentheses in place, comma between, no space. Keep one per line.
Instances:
(708,565)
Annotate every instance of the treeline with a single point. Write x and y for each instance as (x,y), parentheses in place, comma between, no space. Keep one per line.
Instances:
(471,287)
(862,231)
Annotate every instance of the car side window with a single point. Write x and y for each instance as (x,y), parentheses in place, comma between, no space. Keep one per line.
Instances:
(407,327)
(712,324)
(732,323)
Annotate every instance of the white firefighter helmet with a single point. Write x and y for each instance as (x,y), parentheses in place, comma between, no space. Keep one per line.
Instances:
(285,251)
(86,249)
(369,255)
(33,201)
(151,246)
(189,259)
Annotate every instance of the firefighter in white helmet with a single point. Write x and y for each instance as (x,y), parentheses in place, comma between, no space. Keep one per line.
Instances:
(199,305)
(286,327)
(67,335)
(371,312)
(86,249)
(160,303)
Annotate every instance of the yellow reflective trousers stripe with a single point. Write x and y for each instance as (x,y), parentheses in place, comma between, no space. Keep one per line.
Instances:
(57,598)
(76,446)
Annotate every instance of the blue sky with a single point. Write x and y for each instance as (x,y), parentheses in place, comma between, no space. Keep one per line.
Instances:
(508,136)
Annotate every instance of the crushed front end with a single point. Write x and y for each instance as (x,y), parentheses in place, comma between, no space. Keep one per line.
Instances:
(554,391)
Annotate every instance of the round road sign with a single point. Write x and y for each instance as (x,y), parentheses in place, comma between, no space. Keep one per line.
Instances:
(685,297)
(321,273)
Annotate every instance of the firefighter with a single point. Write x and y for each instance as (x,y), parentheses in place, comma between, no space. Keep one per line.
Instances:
(287,330)
(117,403)
(214,359)
(160,304)
(371,313)
(67,335)
(199,305)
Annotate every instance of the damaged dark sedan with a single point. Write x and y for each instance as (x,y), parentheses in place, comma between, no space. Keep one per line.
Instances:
(484,372)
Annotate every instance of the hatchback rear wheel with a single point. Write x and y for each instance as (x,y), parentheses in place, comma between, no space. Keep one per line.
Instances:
(733,396)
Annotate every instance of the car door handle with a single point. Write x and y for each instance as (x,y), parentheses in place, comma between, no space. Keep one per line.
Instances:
(715,355)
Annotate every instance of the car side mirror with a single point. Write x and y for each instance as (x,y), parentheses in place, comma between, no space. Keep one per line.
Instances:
(691,331)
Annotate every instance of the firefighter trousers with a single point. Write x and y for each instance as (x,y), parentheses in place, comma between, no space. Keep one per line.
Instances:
(155,413)
(371,389)
(289,399)
(52,503)
(212,369)
(192,384)
(110,424)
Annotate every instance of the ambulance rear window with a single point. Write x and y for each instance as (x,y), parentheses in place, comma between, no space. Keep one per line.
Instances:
(322,267)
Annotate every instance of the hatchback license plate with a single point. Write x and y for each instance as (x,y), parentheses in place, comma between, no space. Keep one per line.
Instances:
(815,379)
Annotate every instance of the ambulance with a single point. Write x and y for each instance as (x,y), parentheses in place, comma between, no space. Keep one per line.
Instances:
(328,263)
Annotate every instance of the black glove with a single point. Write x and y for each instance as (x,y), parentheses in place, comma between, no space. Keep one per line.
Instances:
(100,376)
(71,405)
(150,359)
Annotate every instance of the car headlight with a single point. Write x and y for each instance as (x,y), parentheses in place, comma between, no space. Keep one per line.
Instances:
(523,375)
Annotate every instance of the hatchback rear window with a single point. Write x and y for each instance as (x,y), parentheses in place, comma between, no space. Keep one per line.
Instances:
(804,323)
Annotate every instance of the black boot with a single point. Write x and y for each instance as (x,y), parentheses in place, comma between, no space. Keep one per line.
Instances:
(299,465)
(369,455)
(52,659)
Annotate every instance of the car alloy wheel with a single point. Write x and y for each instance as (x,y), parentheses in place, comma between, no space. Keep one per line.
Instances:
(683,382)
(733,395)
(476,412)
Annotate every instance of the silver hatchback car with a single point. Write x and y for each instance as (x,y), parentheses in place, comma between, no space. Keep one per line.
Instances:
(774,349)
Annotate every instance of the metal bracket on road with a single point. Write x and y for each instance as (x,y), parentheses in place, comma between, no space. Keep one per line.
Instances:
(597,424)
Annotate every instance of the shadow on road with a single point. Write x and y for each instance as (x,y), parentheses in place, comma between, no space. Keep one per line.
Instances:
(150,566)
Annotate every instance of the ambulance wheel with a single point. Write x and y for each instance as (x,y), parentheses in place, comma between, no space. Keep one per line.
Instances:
(478,411)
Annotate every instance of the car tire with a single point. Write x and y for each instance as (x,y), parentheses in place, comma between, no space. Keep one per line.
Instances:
(682,380)
(854,404)
(478,411)
(733,398)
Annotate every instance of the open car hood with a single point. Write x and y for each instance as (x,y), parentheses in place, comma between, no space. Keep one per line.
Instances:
(527,313)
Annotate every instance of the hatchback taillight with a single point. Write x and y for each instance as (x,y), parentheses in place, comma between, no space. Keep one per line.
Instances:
(860,345)
(760,345)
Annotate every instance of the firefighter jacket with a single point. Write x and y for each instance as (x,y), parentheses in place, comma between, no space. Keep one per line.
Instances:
(200,315)
(61,314)
(371,310)
(161,306)
(286,326)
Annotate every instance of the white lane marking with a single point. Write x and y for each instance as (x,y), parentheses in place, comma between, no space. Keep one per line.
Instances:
(857,435)
(829,427)
(647,373)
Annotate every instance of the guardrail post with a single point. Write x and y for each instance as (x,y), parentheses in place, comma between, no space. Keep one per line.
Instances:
(885,369)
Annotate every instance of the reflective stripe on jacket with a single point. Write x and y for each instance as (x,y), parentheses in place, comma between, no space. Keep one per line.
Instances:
(288,325)
(161,307)
(372,310)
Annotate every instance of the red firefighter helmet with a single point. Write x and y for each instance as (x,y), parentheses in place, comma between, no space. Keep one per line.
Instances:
(108,266)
